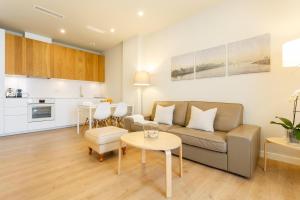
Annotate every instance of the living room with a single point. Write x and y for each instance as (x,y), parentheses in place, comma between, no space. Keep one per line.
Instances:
(144,60)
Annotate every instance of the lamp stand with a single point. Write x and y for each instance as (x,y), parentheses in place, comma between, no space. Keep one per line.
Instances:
(140,100)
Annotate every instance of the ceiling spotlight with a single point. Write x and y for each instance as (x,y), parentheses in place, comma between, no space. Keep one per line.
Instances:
(112,30)
(140,13)
(63,31)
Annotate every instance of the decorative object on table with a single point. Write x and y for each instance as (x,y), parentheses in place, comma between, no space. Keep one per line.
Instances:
(211,62)
(120,112)
(183,67)
(290,54)
(141,79)
(249,56)
(293,130)
(150,129)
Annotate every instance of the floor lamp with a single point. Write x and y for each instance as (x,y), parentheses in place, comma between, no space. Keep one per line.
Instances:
(141,79)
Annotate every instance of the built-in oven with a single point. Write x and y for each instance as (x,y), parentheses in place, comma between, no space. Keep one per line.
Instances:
(41,110)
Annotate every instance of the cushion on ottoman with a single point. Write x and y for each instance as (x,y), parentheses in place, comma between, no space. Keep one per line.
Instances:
(104,135)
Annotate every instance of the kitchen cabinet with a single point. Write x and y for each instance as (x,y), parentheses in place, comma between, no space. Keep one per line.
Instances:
(101,65)
(15,116)
(63,62)
(66,112)
(38,59)
(15,55)
(80,65)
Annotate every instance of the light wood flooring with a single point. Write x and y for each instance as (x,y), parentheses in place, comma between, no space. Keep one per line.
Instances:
(56,165)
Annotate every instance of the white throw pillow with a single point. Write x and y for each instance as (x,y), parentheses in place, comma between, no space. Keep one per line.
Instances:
(203,120)
(164,114)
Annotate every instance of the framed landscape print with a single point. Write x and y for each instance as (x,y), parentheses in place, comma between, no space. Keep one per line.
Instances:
(249,56)
(182,67)
(211,62)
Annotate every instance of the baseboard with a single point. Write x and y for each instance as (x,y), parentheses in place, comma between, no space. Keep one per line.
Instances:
(282,158)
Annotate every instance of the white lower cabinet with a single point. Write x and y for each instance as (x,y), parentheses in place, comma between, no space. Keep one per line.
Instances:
(66,112)
(15,124)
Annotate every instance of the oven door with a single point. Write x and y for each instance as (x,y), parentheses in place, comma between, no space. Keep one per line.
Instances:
(40,112)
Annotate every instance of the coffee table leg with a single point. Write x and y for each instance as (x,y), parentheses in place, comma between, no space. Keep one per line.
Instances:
(265,156)
(180,161)
(143,156)
(168,173)
(119,158)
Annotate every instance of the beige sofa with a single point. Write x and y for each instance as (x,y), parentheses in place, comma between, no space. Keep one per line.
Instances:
(233,147)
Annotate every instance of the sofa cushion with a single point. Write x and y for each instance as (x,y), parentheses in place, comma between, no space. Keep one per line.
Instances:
(215,141)
(162,127)
(179,112)
(228,117)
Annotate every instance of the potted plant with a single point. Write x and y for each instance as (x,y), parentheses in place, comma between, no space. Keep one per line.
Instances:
(293,131)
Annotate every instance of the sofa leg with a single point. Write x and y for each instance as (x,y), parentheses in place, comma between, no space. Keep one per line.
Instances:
(90,150)
(124,150)
(101,157)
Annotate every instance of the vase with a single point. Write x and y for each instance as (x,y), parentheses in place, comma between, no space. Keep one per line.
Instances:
(151,130)
(292,137)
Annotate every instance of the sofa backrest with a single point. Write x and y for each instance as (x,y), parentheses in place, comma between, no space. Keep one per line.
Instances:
(228,117)
(179,112)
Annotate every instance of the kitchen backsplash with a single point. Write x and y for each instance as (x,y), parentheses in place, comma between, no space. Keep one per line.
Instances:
(55,88)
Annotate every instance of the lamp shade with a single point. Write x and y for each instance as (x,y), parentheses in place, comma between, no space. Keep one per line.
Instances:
(142,78)
(291,53)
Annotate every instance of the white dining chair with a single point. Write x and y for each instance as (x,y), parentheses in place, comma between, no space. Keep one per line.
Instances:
(119,113)
(102,114)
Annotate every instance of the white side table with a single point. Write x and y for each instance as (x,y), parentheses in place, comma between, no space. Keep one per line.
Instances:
(278,141)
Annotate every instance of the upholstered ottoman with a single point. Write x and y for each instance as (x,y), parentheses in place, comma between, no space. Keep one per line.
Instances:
(104,139)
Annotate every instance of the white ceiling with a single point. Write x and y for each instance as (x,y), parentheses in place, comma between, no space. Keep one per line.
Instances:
(19,15)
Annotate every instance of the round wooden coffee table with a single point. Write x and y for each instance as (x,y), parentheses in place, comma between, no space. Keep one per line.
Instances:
(165,142)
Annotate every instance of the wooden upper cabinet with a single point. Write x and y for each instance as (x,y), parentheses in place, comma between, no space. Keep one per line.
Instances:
(91,67)
(15,55)
(101,65)
(63,62)
(80,63)
(38,59)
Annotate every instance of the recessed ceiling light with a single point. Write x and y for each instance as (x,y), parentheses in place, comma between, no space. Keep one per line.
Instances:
(140,13)
(112,30)
(62,31)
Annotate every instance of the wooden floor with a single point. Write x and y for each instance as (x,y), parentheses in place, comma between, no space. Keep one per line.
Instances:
(56,165)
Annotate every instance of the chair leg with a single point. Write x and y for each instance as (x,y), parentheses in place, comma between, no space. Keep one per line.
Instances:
(101,157)
(90,150)
(124,150)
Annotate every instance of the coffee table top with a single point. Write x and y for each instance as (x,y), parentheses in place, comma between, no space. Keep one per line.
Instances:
(283,142)
(165,141)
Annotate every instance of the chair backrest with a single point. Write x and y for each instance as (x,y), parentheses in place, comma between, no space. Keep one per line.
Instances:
(121,110)
(103,111)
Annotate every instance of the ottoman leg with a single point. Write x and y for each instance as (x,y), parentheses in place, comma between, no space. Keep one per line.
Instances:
(123,150)
(101,157)
(90,150)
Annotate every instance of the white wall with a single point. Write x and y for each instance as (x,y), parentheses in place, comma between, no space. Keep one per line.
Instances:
(2,66)
(55,88)
(113,72)
(264,95)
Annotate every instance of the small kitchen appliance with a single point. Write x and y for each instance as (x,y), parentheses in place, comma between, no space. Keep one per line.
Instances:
(19,93)
(10,93)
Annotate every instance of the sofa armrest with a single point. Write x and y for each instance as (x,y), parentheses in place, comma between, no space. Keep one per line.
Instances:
(128,121)
(243,145)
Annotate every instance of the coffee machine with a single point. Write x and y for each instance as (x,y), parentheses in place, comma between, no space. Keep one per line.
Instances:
(10,93)
(19,93)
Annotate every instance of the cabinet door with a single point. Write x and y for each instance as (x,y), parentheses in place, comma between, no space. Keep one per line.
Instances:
(38,58)
(15,55)
(63,62)
(80,65)
(91,67)
(101,66)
